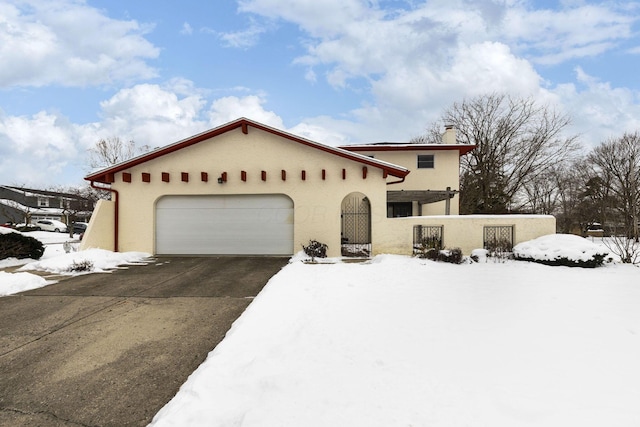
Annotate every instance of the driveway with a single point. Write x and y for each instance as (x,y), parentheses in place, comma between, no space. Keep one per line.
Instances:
(112,349)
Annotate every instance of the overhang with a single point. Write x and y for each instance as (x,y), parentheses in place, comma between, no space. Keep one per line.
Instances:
(390,146)
(106,175)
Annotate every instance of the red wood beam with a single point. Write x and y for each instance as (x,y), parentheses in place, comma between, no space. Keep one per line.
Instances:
(263,175)
(284,174)
(245,128)
(243,175)
(304,175)
(344,174)
(324,174)
(384,174)
(110,178)
(146,177)
(224,177)
(126,177)
(364,172)
(185,176)
(204,176)
(165,176)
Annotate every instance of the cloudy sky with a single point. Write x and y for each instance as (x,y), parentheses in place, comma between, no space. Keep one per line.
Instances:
(335,71)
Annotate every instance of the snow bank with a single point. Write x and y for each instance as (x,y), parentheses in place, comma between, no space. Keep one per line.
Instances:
(12,283)
(402,341)
(101,259)
(554,247)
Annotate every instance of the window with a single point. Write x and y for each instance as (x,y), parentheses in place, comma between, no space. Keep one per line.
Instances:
(399,210)
(43,202)
(425,161)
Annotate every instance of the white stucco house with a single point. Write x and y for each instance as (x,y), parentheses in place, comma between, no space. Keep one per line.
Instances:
(245,188)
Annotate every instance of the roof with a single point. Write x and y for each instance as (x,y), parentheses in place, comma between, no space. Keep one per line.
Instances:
(244,124)
(32,192)
(403,146)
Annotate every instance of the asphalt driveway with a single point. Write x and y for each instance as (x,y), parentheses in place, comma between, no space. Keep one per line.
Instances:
(112,349)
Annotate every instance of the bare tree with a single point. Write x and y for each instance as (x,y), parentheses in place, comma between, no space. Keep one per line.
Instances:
(617,163)
(110,151)
(516,141)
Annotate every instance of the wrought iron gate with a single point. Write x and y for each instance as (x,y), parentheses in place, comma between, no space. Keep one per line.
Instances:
(427,237)
(356,227)
(498,239)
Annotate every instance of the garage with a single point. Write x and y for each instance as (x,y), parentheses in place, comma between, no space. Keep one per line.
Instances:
(255,224)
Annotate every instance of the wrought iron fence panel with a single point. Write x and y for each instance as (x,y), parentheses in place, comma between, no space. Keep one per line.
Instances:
(356,227)
(427,237)
(498,239)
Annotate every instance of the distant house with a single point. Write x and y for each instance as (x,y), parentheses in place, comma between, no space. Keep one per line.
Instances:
(27,205)
(245,188)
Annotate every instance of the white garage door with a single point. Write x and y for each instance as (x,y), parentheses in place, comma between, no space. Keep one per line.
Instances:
(260,224)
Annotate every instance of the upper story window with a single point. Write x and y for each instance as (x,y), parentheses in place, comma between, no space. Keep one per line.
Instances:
(43,202)
(425,161)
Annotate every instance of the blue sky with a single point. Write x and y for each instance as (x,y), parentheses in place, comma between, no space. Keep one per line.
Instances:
(335,71)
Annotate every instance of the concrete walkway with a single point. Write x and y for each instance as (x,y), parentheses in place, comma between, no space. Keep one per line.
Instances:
(112,349)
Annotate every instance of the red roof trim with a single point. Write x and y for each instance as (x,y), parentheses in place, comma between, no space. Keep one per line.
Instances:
(103,175)
(462,148)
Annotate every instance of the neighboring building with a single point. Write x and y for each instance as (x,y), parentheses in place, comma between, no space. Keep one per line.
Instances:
(247,188)
(27,205)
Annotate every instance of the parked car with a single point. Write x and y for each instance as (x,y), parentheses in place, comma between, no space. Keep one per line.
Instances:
(79,227)
(51,225)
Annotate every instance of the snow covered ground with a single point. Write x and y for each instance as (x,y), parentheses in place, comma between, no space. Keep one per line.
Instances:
(409,342)
(57,261)
(399,341)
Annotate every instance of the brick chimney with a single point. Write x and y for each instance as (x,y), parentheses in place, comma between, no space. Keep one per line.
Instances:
(449,136)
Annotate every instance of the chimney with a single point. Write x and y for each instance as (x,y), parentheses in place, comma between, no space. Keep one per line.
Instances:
(449,136)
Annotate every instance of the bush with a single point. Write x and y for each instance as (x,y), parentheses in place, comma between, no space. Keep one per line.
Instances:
(596,260)
(82,265)
(315,249)
(453,256)
(16,245)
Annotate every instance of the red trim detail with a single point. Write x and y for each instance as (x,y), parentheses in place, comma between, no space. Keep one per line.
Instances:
(304,175)
(364,172)
(110,178)
(146,177)
(165,176)
(126,177)
(284,174)
(384,174)
(185,176)
(245,128)
(263,175)
(103,175)
(204,177)
(243,175)
(324,174)
(224,177)
(344,174)
(462,148)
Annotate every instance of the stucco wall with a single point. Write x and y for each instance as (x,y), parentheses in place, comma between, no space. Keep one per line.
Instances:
(316,201)
(395,235)
(445,173)
(99,233)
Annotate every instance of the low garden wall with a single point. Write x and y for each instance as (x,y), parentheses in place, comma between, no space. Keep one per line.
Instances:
(467,232)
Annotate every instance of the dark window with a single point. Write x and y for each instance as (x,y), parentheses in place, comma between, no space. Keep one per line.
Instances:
(425,161)
(399,210)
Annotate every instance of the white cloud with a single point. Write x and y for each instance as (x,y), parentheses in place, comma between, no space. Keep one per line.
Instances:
(229,108)
(186,29)
(65,42)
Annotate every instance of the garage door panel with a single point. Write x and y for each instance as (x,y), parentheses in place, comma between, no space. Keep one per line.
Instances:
(232,225)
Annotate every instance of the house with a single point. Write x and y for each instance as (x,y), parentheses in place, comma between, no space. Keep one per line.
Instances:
(27,205)
(245,188)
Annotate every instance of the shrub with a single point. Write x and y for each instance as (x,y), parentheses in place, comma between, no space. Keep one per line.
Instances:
(82,265)
(453,256)
(596,260)
(315,249)
(16,245)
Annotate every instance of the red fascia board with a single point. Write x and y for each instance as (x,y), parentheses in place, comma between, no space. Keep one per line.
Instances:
(243,124)
(462,148)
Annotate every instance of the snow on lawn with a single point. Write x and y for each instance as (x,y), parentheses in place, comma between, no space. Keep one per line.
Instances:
(56,260)
(401,341)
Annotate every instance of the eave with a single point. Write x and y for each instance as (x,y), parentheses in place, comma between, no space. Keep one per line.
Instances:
(105,176)
(365,148)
